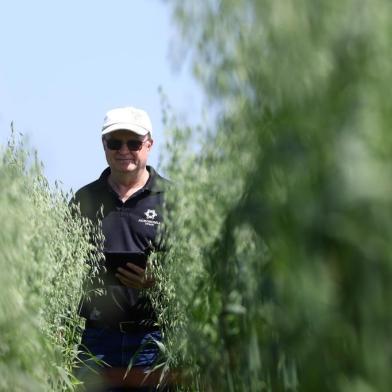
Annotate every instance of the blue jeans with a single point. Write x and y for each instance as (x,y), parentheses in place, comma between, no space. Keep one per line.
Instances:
(112,348)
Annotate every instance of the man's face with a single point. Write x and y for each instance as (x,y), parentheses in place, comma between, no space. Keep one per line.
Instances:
(124,160)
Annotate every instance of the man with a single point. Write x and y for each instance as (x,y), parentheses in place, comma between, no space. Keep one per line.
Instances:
(120,324)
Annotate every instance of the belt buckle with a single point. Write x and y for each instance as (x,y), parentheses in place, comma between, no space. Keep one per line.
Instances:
(121,323)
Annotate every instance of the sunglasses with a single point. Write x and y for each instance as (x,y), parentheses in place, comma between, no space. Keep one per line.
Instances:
(133,145)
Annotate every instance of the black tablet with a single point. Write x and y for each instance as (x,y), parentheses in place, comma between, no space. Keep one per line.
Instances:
(116,260)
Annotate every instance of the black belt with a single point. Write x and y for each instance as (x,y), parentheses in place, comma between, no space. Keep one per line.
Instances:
(125,326)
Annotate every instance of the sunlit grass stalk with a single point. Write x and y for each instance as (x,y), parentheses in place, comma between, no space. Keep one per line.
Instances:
(43,252)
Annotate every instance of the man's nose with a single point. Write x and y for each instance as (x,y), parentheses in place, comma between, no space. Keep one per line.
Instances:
(124,149)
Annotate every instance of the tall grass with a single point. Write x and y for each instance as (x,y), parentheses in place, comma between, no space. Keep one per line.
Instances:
(279,266)
(43,253)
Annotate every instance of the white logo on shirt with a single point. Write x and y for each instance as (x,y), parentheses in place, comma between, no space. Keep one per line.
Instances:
(150,218)
(150,214)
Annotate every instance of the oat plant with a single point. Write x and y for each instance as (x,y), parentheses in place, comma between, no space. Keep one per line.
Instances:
(43,251)
(278,269)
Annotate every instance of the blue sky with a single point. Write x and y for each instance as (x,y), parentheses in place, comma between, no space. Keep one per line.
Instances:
(65,63)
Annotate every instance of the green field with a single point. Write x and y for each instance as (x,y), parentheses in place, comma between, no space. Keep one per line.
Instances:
(278,270)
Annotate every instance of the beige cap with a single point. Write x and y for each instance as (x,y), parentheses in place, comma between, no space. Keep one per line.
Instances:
(129,119)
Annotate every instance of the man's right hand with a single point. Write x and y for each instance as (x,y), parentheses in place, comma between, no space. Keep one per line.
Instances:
(134,277)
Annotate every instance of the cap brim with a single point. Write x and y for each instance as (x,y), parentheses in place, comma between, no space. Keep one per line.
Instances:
(126,127)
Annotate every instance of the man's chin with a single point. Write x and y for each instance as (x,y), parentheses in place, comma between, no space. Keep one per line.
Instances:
(126,167)
(129,169)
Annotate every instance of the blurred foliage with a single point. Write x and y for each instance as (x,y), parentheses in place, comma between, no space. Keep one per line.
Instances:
(43,248)
(279,264)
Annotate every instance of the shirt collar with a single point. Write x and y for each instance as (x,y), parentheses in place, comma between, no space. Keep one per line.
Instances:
(155,182)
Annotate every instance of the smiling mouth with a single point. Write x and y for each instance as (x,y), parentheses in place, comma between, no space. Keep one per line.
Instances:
(125,161)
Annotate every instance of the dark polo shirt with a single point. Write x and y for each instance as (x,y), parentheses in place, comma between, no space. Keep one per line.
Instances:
(130,226)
